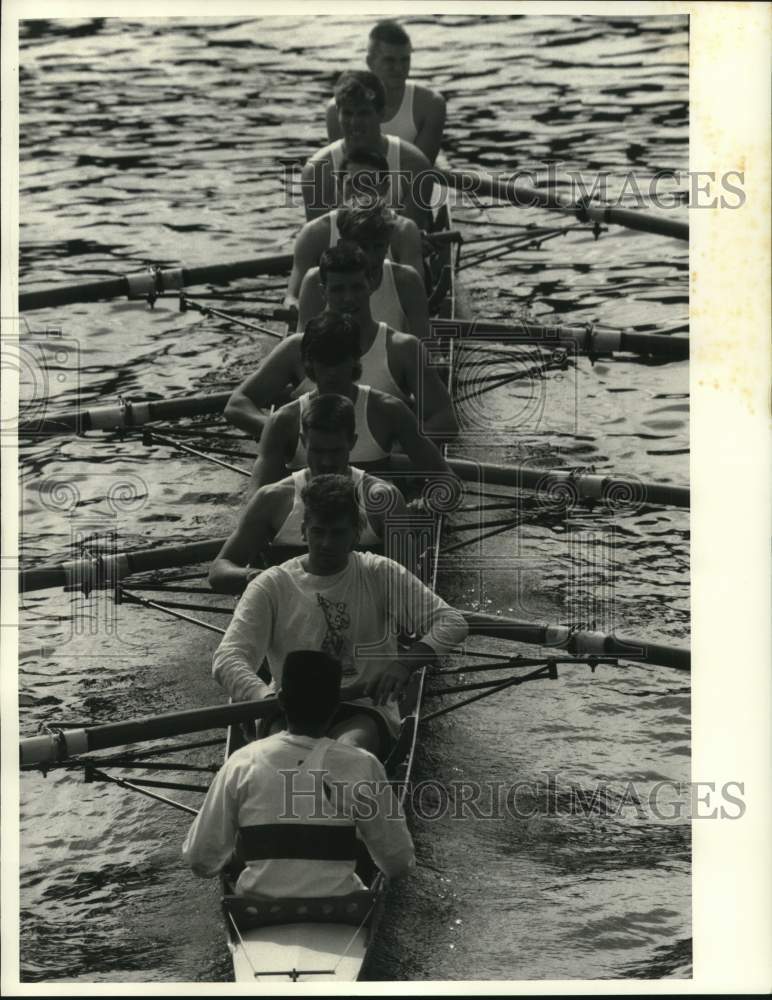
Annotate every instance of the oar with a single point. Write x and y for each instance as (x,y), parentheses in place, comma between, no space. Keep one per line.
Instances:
(128,413)
(54,748)
(105,570)
(511,190)
(125,414)
(579,641)
(154,282)
(568,484)
(587,339)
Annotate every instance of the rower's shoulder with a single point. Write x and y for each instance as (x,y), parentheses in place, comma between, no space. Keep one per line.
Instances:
(425,98)
(315,229)
(325,153)
(407,279)
(411,154)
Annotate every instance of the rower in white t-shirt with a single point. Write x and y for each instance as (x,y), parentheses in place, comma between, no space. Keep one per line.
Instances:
(350,604)
(296,804)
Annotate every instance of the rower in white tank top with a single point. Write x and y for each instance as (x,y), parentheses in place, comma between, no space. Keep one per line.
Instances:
(403,123)
(375,366)
(384,302)
(366,448)
(290,534)
(393,158)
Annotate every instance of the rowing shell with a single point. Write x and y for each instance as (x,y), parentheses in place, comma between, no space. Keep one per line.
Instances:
(330,938)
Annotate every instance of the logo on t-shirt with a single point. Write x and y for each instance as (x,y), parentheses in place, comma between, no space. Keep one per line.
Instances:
(336,642)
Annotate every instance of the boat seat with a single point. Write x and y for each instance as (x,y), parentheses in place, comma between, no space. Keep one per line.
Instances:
(252,911)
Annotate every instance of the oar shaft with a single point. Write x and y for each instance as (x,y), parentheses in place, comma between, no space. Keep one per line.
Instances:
(566,483)
(549,335)
(521,195)
(581,642)
(53,748)
(137,286)
(126,414)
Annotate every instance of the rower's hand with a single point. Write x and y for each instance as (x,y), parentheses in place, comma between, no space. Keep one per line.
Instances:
(391,683)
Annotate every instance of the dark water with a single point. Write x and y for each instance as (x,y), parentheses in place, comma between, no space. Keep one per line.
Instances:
(171,141)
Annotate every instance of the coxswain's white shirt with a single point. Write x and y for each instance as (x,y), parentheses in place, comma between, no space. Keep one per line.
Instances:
(355,615)
(288,780)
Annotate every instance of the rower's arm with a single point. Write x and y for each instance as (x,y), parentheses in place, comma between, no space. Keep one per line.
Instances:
(423,453)
(412,295)
(244,645)
(234,566)
(388,514)
(266,387)
(380,822)
(429,138)
(411,251)
(212,837)
(419,185)
(304,258)
(317,184)
(271,464)
(310,300)
(415,609)
(433,403)
(333,124)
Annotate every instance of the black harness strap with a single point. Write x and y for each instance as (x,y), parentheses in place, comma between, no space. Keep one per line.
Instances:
(298,841)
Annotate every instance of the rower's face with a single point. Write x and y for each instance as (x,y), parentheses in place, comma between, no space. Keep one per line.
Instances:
(329,543)
(390,63)
(360,123)
(347,292)
(327,451)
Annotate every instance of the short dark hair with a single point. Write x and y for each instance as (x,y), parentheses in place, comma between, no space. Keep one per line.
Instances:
(390,33)
(360,85)
(310,686)
(329,497)
(330,339)
(330,413)
(345,256)
(366,224)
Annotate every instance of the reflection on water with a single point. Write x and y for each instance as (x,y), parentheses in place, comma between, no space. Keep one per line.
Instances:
(169,141)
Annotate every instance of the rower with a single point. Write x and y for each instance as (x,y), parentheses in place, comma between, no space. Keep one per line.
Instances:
(275,513)
(331,357)
(350,604)
(399,296)
(365,181)
(309,849)
(359,101)
(392,362)
(412,112)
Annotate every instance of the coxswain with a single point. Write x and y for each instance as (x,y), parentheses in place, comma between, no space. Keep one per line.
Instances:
(330,351)
(295,805)
(398,298)
(274,514)
(412,112)
(392,362)
(359,101)
(365,182)
(347,603)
